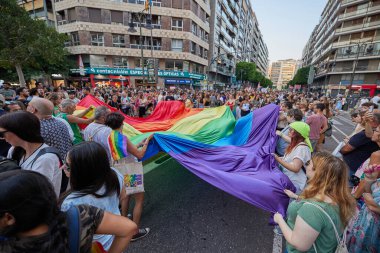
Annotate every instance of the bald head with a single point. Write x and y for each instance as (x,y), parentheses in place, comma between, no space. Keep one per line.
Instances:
(41,107)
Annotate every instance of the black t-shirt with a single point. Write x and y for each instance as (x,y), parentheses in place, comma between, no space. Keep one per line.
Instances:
(364,147)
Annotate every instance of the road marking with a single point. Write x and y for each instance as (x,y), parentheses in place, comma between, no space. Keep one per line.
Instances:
(345,135)
(335,122)
(277,243)
(335,139)
(345,120)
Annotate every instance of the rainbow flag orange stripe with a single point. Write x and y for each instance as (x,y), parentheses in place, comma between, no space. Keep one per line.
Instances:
(118,145)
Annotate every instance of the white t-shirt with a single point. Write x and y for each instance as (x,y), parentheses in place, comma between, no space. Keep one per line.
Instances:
(47,165)
(98,133)
(303,153)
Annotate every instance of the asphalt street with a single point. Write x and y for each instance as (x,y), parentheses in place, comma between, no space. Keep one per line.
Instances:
(186,214)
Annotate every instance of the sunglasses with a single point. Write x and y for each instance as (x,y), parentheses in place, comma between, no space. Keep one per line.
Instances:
(2,134)
(307,163)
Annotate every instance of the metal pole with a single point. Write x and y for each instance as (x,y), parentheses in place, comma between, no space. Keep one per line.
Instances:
(142,51)
(151,43)
(355,64)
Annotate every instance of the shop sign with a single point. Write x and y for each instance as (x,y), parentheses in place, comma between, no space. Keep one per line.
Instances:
(177,81)
(138,72)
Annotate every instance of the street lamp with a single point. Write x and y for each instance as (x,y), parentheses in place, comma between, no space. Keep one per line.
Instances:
(140,15)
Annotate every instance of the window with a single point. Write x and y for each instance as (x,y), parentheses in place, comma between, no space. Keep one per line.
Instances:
(75,39)
(174,65)
(194,28)
(120,61)
(97,39)
(177,45)
(138,62)
(193,47)
(177,24)
(116,17)
(118,40)
(95,15)
(72,16)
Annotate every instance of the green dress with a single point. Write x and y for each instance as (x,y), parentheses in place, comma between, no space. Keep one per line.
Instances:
(326,240)
(77,135)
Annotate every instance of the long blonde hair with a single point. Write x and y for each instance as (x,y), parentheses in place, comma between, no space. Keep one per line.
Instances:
(331,179)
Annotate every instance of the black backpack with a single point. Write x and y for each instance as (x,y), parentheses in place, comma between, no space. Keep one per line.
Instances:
(7,164)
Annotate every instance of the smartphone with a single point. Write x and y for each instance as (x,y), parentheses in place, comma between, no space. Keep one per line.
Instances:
(370,108)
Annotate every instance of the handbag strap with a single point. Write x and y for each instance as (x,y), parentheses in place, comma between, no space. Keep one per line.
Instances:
(331,221)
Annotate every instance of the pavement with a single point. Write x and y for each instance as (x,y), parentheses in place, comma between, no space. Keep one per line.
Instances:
(186,214)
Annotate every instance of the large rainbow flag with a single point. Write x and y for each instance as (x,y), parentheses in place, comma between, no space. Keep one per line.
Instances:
(233,156)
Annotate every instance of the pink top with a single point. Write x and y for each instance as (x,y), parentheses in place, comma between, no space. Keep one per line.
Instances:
(316,123)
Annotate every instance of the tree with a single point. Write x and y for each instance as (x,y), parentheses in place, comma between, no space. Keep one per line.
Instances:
(26,42)
(301,77)
(245,71)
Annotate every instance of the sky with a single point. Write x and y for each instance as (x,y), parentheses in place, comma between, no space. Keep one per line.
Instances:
(287,24)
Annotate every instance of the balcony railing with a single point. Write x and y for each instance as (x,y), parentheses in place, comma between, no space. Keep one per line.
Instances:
(138,46)
(359,12)
(345,2)
(360,26)
(361,55)
(155,26)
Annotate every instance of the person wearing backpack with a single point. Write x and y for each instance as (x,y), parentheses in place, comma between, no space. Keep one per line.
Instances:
(30,219)
(318,217)
(23,131)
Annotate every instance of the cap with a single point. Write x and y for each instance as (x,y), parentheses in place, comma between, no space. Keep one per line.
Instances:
(304,130)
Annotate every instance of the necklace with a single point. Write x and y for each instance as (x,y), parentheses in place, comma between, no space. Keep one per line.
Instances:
(25,159)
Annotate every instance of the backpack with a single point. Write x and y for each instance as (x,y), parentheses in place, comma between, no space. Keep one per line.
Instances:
(73,224)
(7,164)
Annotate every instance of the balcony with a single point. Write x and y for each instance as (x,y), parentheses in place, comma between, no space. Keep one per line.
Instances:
(229,11)
(361,12)
(155,26)
(359,27)
(349,2)
(362,55)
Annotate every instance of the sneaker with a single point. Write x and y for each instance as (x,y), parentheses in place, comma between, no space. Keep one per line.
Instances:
(141,234)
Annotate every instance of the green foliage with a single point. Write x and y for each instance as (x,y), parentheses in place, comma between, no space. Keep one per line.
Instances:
(247,71)
(301,76)
(29,43)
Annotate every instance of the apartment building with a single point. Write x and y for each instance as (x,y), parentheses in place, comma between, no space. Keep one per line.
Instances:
(346,53)
(234,36)
(174,38)
(282,72)
(39,9)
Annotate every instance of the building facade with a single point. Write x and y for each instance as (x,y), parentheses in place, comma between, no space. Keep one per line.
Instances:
(346,52)
(39,9)
(102,38)
(282,72)
(234,37)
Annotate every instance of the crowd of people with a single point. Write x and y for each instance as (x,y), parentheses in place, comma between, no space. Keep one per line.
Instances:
(40,134)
